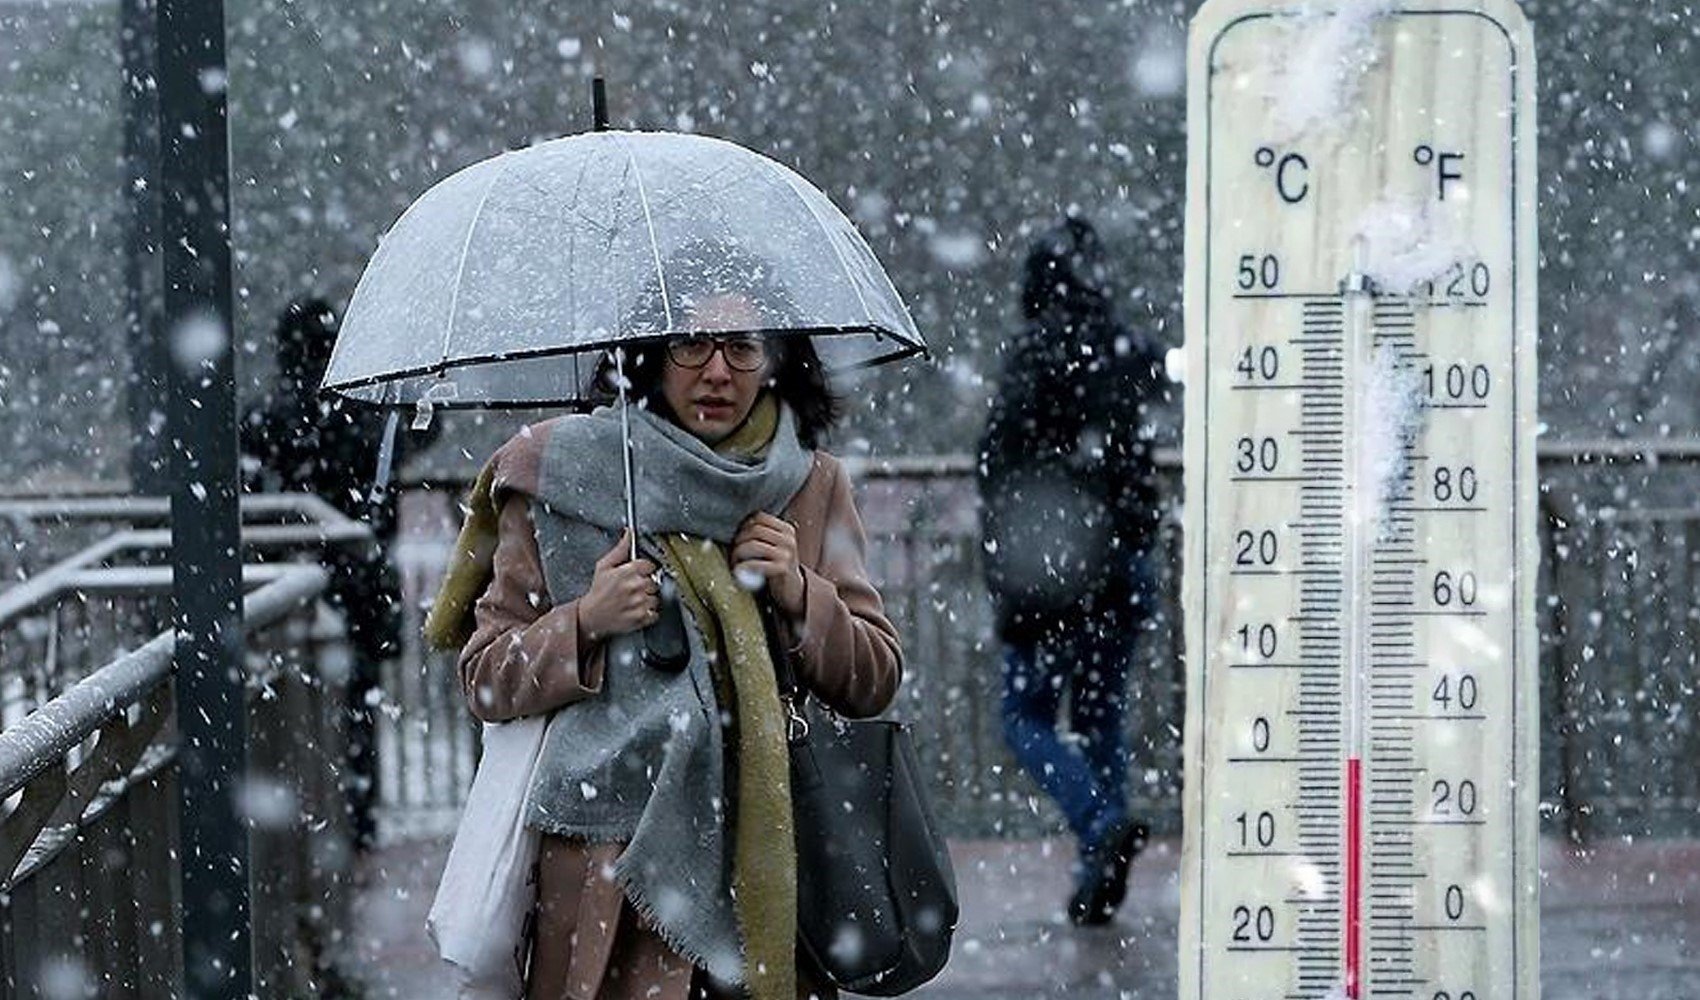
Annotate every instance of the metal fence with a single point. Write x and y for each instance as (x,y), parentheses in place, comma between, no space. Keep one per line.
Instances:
(1618,619)
(90,578)
(1621,610)
(1620,544)
(88,904)
(88,797)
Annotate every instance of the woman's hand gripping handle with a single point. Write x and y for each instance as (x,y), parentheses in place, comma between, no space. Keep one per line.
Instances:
(623,596)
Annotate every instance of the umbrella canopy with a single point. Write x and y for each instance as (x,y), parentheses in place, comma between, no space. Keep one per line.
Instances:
(493,286)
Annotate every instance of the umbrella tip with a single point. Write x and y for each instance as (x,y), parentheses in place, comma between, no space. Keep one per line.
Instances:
(599,104)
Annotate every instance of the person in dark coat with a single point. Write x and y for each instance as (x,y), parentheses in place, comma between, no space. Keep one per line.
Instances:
(295,441)
(1069,510)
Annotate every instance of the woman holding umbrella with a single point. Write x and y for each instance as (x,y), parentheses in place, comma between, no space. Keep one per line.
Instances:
(666,867)
(628,579)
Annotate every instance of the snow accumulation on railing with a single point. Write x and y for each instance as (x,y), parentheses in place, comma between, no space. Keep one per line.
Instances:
(81,504)
(44,736)
(311,522)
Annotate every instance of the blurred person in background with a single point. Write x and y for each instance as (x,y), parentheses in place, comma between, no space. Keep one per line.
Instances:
(295,441)
(1069,510)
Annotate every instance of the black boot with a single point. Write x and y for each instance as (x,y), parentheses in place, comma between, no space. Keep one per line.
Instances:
(1103,885)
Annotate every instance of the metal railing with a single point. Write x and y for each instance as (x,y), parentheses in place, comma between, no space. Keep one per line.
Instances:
(101,570)
(1619,616)
(89,841)
(88,801)
(1618,647)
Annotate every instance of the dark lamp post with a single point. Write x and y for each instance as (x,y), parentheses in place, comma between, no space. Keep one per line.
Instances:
(194,184)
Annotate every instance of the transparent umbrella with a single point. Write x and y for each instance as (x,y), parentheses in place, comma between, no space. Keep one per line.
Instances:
(502,284)
(505,283)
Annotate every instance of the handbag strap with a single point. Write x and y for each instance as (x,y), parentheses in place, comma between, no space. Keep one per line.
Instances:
(791,694)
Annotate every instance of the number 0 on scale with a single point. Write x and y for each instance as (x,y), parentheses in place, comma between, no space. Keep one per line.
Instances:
(1361,738)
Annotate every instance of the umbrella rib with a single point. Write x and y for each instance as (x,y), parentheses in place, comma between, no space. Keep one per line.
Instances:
(612,229)
(572,258)
(826,230)
(649,222)
(573,211)
(465,250)
(697,186)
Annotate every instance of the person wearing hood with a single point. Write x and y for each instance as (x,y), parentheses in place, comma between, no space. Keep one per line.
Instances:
(294,440)
(1069,510)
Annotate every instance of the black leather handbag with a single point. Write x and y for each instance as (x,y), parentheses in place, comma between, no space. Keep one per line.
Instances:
(876,894)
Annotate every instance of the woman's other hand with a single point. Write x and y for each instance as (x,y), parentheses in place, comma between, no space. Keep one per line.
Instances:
(623,596)
(767,545)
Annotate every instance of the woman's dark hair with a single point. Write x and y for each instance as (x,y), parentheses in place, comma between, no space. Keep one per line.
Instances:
(696,272)
(796,376)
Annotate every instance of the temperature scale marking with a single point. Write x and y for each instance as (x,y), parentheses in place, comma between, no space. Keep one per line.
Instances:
(1360,556)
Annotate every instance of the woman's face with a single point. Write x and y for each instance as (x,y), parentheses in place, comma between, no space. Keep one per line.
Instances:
(712,401)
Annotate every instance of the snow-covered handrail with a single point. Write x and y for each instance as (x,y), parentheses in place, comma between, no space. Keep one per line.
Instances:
(45,735)
(322,524)
(131,506)
(89,777)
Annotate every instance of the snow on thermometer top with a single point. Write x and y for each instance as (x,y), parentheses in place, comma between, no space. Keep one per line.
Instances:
(1360,483)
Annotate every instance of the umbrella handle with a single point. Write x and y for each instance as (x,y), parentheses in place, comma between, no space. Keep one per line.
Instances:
(626,448)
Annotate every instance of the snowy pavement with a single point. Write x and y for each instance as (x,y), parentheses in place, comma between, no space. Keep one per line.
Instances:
(1620,922)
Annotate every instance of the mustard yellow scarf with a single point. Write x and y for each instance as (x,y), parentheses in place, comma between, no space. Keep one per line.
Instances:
(764,865)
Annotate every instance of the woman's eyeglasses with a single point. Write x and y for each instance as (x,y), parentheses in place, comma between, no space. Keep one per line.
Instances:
(744,353)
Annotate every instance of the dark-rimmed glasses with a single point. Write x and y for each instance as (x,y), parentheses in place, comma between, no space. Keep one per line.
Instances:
(744,353)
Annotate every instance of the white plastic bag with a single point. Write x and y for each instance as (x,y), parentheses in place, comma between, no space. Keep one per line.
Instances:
(485,897)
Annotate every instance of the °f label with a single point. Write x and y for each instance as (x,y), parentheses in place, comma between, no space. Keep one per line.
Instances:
(1360,503)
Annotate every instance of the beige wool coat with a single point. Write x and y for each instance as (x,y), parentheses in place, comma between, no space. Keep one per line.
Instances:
(527,657)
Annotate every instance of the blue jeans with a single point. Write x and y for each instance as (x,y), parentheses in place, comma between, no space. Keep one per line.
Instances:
(1086,773)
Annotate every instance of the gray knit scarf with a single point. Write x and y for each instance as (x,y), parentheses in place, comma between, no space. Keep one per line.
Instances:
(641,762)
